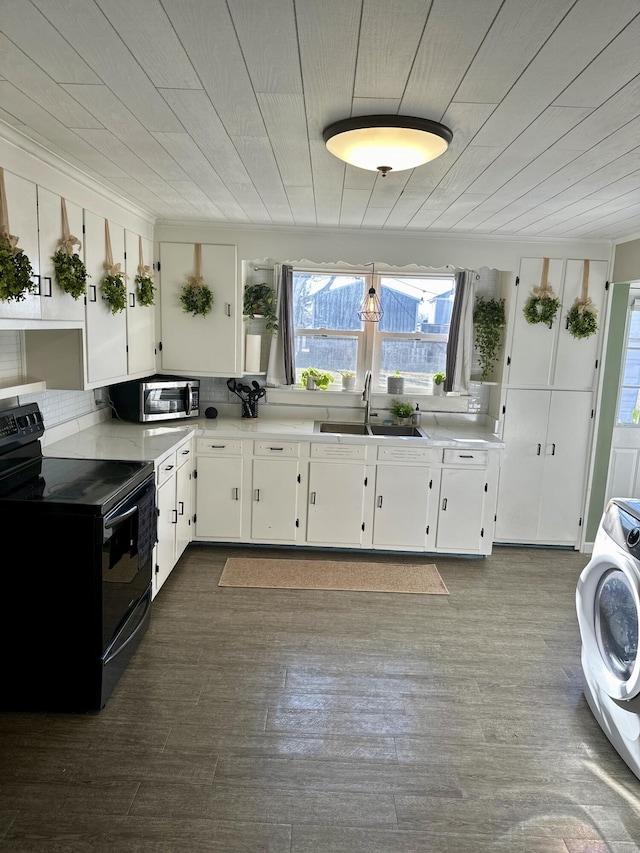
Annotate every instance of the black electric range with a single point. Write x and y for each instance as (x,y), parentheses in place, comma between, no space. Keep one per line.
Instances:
(77,598)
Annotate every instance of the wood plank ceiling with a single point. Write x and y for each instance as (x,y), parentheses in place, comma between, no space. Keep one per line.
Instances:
(213,110)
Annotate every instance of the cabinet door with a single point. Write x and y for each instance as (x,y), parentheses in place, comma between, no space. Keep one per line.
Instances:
(195,344)
(184,502)
(218,498)
(462,492)
(401,506)
(531,348)
(166,544)
(55,303)
(522,469)
(274,499)
(106,332)
(565,467)
(336,503)
(22,206)
(575,361)
(141,354)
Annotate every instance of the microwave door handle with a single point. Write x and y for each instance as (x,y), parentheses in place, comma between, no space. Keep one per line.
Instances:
(118,519)
(189,398)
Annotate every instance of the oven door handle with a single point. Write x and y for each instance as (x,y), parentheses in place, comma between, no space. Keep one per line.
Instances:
(111,522)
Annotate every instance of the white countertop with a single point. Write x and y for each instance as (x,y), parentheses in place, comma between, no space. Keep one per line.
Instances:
(113,439)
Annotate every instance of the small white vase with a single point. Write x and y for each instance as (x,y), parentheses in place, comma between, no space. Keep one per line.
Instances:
(348,383)
(438,390)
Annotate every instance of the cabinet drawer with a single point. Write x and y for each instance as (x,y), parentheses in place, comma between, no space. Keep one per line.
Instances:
(276,448)
(183,455)
(219,446)
(338,451)
(406,454)
(166,468)
(465,457)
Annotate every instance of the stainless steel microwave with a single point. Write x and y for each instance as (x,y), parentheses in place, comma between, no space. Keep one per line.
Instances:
(156,398)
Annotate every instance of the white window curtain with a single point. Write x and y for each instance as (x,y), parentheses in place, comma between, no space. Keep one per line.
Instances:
(460,343)
(281,369)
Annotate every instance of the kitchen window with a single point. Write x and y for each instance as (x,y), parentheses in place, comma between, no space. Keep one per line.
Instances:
(410,339)
(629,398)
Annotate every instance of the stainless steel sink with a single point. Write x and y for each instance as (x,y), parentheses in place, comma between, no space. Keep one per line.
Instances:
(342,429)
(369,429)
(393,429)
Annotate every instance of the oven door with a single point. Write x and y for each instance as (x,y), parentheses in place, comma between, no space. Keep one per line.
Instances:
(129,535)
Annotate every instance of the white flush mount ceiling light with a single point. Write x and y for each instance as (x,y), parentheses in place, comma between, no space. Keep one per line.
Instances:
(387,142)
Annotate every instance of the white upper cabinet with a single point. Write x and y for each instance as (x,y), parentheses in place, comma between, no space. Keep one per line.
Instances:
(22,207)
(106,332)
(141,359)
(539,356)
(200,345)
(55,303)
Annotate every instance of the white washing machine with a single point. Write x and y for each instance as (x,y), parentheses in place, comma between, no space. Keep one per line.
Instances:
(608,608)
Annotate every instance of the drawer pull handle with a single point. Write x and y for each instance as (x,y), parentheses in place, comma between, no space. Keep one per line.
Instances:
(227,308)
(379,500)
(186,452)
(217,447)
(168,467)
(180,507)
(539,449)
(444,505)
(465,455)
(312,498)
(553,450)
(256,495)
(47,291)
(175,516)
(235,494)
(276,448)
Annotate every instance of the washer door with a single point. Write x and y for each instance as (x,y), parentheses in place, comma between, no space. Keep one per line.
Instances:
(608,607)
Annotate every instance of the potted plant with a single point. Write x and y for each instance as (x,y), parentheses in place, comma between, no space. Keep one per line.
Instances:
(395,384)
(260,301)
(438,383)
(313,379)
(348,380)
(488,321)
(401,411)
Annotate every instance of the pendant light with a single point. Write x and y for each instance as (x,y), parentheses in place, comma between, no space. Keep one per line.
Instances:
(371,309)
(382,143)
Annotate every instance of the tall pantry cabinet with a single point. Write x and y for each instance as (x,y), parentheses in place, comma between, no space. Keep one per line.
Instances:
(548,409)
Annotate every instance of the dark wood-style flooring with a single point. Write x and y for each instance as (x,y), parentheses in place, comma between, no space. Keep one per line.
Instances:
(334,722)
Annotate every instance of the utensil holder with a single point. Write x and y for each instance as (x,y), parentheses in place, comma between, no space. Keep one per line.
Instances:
(250,409)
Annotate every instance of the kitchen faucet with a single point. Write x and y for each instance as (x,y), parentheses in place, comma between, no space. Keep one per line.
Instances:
(366,396)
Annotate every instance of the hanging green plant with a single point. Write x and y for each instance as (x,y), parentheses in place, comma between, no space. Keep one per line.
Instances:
(197,299)
(15,272)
(260,299)
(489,320)
(71,273)
(582,323)
(114,291)
(541,309)
(145,289)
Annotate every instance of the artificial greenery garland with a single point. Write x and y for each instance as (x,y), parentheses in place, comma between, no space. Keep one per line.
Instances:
(146,289)
(197,299)
(541,309)
(71,273)
(488,320)
(582,324)
(114,292)
(15,273)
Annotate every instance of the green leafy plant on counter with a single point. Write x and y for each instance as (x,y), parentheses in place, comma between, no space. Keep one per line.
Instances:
(259,300)
(71,273)
(196,299)
(323,380)
(488,321)
(15,273)
(145,289)
(401,410)
(114,292)
(438,378)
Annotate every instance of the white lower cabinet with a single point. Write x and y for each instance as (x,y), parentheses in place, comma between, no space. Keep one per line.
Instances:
(461,510)
(275,487)
(404,485)
(336,503)
(542,479)
(219,489)
(174,497)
